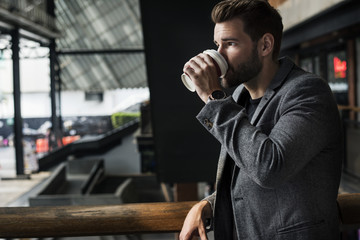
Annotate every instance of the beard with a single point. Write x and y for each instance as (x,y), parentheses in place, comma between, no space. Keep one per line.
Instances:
(243,72)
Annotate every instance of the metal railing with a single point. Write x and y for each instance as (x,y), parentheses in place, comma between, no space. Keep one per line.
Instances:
(30,10)
(37,222)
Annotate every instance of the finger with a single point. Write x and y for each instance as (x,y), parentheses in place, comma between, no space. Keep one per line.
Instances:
(206,64)
(201,61)
(202,233)
(189,71)
(197,64)
(207,59)
(185,236)
(192,63)
(186,67)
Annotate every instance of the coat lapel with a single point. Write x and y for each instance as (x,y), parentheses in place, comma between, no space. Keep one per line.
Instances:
(264,101)
(285,67)
(221,163)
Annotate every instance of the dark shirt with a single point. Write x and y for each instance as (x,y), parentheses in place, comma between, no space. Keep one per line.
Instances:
(251,106)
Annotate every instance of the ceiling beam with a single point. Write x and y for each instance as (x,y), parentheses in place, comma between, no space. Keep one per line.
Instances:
(13,20)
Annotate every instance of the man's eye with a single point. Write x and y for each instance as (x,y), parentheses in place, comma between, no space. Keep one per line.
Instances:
(231,44)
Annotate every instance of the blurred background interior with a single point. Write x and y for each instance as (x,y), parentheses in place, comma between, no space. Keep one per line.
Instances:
(93,111)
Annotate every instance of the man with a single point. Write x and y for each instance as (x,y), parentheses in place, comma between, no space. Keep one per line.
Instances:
(280,162)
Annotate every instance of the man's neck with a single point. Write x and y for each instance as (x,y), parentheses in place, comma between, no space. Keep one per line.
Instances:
(257,86)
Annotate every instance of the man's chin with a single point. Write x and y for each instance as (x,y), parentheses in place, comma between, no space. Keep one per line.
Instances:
(226,84)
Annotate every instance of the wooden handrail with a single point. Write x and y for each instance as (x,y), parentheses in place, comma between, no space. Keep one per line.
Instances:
(349,210)
(349,108)
(67,221)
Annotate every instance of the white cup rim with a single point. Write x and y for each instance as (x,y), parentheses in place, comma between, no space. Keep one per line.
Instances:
(188,82)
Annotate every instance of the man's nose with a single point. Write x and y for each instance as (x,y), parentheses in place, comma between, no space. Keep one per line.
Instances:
(221,50)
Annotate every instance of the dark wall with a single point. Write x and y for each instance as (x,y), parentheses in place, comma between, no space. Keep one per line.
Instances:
(175,31)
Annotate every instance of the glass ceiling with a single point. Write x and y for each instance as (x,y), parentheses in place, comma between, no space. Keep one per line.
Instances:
(101,46)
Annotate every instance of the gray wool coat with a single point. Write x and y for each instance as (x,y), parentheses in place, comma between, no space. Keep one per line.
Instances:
(278,175)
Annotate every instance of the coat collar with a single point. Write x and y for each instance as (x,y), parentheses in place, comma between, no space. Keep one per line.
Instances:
(284,69)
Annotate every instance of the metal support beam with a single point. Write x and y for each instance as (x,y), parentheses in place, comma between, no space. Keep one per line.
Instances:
(52,82)
(104,51)
(18,125)
(54,118)
(50,7)
(20,20)
(55,85)
(340,16)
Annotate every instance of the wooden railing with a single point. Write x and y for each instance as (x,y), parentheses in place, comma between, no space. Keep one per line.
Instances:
(349,210)
(66,221)
(349,108)
(36,222)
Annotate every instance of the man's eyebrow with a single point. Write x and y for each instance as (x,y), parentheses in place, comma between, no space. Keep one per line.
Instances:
(227,40)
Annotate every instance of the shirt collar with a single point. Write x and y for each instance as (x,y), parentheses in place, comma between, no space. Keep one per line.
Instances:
(285,66)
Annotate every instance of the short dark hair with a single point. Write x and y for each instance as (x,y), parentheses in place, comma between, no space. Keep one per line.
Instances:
(258,16)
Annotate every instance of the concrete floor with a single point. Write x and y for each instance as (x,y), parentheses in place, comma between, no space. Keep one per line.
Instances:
(12,189)
(15,192)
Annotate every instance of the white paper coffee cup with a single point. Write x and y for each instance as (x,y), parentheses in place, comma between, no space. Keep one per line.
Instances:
(220,63)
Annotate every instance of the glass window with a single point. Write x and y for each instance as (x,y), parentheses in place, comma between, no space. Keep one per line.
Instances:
(307,64)
(358,72)
(317,65)
(352,161)
(7,151)
(311,64)
(337,76)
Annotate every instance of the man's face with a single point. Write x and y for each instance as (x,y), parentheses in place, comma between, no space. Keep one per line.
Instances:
(240,52)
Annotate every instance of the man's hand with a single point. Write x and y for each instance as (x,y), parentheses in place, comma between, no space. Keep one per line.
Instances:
(203,73)
(194,224)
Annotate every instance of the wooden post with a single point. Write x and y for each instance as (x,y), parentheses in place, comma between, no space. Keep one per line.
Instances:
(185,192)
(349,210)
(351,76)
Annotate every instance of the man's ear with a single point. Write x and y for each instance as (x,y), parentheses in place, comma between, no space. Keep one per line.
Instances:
(267,44)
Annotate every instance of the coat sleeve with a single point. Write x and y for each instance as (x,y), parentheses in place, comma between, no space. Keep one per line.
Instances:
(301,125)
(211,200)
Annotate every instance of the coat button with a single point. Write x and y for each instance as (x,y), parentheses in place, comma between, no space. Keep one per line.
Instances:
(208,123)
